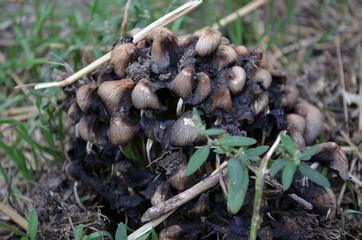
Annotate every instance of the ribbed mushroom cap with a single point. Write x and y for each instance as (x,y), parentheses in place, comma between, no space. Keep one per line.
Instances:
(188,41)
(107,74)
(159,31)
(221,100)
(116,94)
(260,56)
(74,112)
(260,103)
(313,121)
(296,128)
(208,42)
(120,58)
(287,97)
(241,51)
(181,85)
(85,129)
(122,129)
(183,131)
(224,41)
(143,96)
(85,95)
(163,51)
(224,55)
(234,78)
(332,156)
(203,88)
(263,77)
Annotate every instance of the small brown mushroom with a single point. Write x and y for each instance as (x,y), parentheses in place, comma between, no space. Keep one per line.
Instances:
(121,56)
(143,96)
(263,77)
(91,130)
(296,128)
(208,42)
(332,156)
(107,74)
(122,129)
(221,100)
(259,55)
(85,95)
(174,232)
(313,121)
(161,194)
(182,83)
(224,55)
(179,180)
(116,94)
(203,88)
(260,103)
(241,51)
(224,41)
(188,41)
(163,51)
(287,97)
(74,112)
(234,78)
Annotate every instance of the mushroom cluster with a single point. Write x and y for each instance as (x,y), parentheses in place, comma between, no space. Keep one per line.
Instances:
(143,100)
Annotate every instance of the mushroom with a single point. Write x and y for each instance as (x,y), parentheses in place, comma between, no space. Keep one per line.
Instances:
(224,55)
(143,96)
(263,77)
(174,232)
(179,180)
(260,103)
(224,41)
(163,51)
(162,193)
(234,78)
(208,42)
(296,128)
(188,41)
(122,129)
(85,95)
(203,89)
(183,131)
(181,85)
(287,97)
(221,100)
(241,51)
(332,156)
(91,130)
(313,121)
(107,74)
(259,55)
(74,112)
(121,56)
(116,94)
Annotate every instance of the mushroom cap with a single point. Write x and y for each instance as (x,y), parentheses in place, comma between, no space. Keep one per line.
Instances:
(160,54)
(188,41)
(183,131)
(287,97)
(203,89)
(122,129)
(92,130)
(116,94)
(74,112)
(259,55)
(332,156)
(143,96)
(85,95)
(181,85)
(221,99)
(313,121)
(121,56)
(208,42)
(263,77)
(295,128)
(260,103)
(234,78)
(224,55)
(241,51)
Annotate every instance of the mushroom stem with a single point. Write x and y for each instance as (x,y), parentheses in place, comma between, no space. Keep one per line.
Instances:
(148,149)
(89,147)
(180,107)
(163,21)
(76,128)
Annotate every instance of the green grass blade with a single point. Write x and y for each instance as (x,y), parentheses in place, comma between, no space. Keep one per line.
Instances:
(12,229)
(33,224)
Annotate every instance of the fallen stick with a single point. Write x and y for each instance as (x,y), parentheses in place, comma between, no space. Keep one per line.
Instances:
(182,198)
(163,21)
(19,220)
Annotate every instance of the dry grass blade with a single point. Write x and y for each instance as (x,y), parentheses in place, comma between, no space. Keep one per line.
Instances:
(14,216)
(165,20)
(125,18)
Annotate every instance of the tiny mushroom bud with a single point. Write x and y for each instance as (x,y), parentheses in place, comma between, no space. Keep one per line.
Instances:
(179,180)
(259,55)
(263,77)
(183,131)
(260,103)
(188,41)
(173,232)
(224,41)
(162,193)
(74,112)
(208,42)
(296,128)
(203,88)
(107,74)
(143,96)
(182,84)
(84,96)
(241,51)
(287,97)
(221,100)
(122,129)
(332,156)
(313,121)
(120,58)
(234,78)
(224,55)
(116,94)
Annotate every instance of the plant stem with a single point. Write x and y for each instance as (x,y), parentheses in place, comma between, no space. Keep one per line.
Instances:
(259,185)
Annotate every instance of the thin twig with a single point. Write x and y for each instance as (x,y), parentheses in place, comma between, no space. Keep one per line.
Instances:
(259,185)
(125,19)
(14,216)
(165,20)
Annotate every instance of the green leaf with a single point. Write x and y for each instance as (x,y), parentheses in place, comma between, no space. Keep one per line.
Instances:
(12,229)
(100,236)
(236,196)
(235,173)
(121,233)
(144,237)
(257,150)
(78,231)
(306,155)
(33,224)
(153,234)
(288,144)
(360,147)
(277,165)
(349,211)
(214,131)
(288,174)
(236,141)
(197,159)
(314,175)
